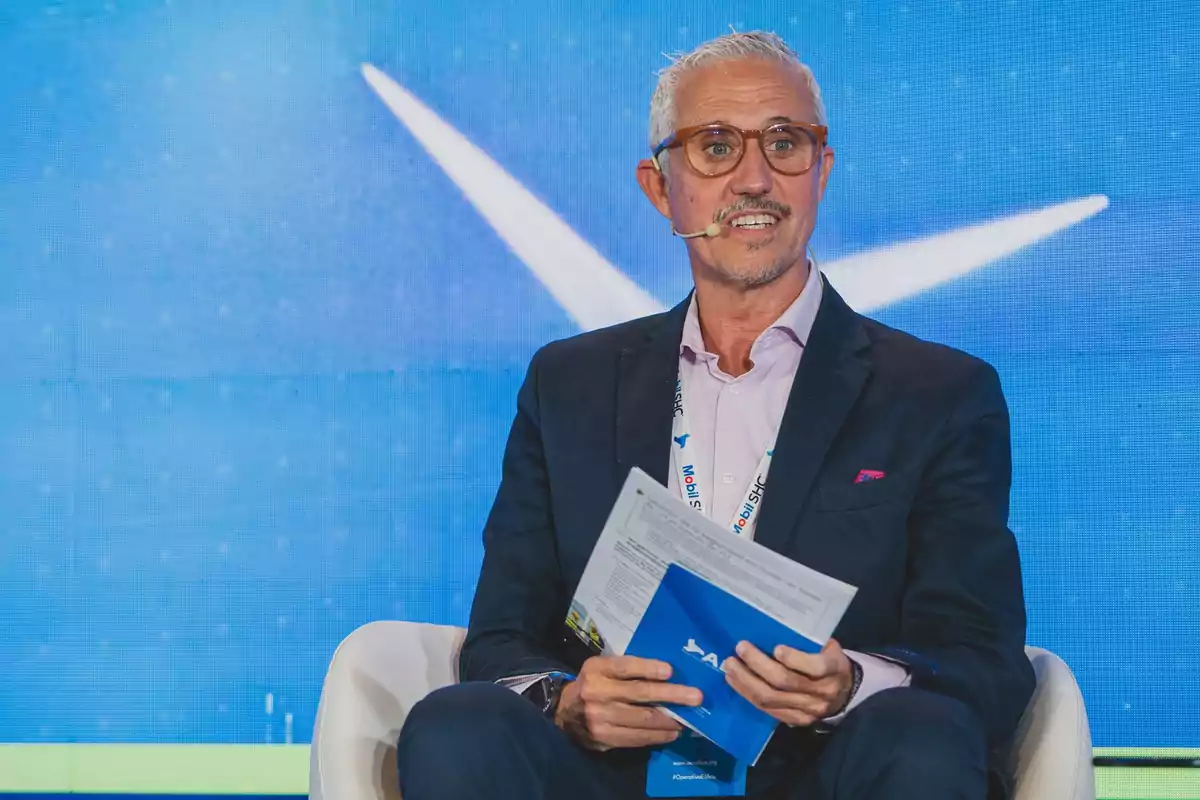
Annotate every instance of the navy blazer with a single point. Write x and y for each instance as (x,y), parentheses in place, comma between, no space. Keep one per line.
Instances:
(928,546)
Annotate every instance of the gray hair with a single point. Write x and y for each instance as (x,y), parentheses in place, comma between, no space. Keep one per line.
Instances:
(731,46)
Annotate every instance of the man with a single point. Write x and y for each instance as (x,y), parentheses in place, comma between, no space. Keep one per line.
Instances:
(890,471)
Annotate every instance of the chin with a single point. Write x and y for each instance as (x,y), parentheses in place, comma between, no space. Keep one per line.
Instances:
(756,274)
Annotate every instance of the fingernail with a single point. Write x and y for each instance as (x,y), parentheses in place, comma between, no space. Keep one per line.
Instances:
(741,648)
(779,652)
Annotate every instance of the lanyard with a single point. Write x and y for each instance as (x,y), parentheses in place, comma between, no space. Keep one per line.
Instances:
(689,483)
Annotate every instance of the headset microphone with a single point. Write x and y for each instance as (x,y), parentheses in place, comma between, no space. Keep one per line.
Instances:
(713,229)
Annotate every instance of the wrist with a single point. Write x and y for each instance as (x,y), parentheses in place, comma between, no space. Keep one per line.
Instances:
(560,699)
(856,678)
(546,691)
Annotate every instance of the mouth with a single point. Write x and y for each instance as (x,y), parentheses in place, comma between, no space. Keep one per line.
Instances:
(755,221)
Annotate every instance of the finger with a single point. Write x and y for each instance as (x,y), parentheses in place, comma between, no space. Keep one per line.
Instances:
(772,672)
(764,696)
(811,665)
(624,715)
(795,717)
(651,692)
(607,690)
(747,683)
(626,668)
(617,736)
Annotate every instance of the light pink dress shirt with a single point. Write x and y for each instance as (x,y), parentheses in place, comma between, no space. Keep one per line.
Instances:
(734,420)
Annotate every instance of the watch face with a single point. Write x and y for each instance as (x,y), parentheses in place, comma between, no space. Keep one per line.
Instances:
(552,688)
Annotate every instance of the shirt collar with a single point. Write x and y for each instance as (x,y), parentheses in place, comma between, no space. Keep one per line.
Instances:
(795,322)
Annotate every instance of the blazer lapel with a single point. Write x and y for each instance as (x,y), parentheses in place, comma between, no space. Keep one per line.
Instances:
(827,384)
(646,396)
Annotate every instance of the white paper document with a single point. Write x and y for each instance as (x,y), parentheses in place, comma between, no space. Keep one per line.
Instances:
(649,528)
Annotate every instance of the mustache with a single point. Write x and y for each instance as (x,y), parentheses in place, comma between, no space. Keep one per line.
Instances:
(753,204)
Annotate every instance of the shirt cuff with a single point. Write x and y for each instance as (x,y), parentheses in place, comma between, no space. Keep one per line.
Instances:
(878,674)
(521,683)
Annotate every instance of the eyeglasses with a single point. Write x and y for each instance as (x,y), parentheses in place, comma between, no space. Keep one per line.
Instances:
(790,148)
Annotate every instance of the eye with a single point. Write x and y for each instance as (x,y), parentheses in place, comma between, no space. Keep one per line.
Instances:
(715,144)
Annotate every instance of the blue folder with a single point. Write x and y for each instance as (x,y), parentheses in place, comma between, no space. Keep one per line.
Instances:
(694,626)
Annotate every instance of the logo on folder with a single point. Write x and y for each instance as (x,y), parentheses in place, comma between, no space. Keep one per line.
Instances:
(693,649)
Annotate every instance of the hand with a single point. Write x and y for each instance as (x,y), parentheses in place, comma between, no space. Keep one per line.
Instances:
(793,687)
(607,706)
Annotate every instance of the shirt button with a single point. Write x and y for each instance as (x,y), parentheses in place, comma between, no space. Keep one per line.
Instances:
(727,477)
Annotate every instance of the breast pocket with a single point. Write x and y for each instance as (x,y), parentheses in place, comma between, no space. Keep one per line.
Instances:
(893,489)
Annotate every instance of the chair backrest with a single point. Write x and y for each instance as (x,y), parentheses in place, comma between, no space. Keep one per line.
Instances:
(378,673)
(1052,756)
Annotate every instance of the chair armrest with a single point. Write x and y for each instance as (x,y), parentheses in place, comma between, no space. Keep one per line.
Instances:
(1052,754)
(377,674)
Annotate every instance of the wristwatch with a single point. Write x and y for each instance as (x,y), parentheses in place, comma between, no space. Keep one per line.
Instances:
(856,674)
(548,691)
(856,679)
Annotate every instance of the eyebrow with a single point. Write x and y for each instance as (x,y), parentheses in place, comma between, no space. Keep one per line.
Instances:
(770,121)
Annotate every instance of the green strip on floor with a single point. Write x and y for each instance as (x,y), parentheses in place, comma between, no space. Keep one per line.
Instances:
(283,770)
(154,769)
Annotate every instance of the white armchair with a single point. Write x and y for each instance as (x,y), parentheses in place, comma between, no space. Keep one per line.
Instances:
(383,669)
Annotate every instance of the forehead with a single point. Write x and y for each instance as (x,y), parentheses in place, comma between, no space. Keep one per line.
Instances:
(743,92)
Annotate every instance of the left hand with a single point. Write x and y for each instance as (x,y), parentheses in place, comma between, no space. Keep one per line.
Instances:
(793,687)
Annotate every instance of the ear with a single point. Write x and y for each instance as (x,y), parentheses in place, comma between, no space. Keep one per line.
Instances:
(826,168)
(654,185)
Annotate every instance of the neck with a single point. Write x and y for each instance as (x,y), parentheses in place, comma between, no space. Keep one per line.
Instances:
(732,316)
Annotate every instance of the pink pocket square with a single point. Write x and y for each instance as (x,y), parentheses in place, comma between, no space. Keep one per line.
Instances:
(870,475)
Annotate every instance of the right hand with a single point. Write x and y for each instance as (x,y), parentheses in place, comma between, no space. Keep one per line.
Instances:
(609,704)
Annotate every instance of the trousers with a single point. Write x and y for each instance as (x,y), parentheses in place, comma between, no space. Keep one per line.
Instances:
(479,740)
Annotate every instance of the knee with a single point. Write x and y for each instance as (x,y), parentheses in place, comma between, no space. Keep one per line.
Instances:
(460,714)
(925,733)
(486,721)
(919,715)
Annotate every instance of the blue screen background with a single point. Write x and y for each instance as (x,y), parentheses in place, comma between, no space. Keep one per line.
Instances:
(258,354)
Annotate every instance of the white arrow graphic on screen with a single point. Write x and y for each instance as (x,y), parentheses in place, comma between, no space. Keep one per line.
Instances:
(595,293)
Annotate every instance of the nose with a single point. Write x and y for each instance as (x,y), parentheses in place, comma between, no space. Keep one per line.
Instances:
(753,176)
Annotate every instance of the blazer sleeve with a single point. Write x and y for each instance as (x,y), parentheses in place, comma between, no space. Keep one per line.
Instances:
(963,610)
(517,614)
